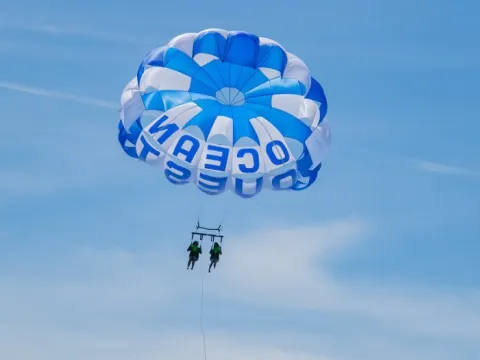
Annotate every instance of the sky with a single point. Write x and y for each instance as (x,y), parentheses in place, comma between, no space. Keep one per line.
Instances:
(378,260)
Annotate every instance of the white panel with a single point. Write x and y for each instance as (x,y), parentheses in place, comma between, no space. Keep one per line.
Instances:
(318,143)
(266,133)
(270,73)
(222,32)
(151,159)
(129,91)
(132,110)
(203,59)
(180,158)
(160,78)
(179,116)
(311,116)
(249,186)
(291,104)
(247,160)
(183,42)
(222,131)
(267,41)
(204,160)
(296,69)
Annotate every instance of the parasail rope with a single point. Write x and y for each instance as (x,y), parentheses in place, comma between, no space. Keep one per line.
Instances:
(201,324)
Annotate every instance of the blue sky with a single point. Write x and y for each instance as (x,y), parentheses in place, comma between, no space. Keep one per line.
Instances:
(379,260)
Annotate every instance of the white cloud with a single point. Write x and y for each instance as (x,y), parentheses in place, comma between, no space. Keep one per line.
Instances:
(128,345)
(443,168)
(118,304)
(280,264)
(58,95)
(297,276)
(86,312)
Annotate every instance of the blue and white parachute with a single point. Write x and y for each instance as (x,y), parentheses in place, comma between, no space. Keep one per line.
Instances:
(226,110)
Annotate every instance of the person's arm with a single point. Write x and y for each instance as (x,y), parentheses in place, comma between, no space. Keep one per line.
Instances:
(189,248)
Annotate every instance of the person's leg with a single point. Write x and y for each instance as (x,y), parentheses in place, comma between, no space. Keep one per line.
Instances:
(212,262)
(191,260)
(195,258)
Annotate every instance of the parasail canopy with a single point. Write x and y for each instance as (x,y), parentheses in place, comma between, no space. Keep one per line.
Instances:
(226,111)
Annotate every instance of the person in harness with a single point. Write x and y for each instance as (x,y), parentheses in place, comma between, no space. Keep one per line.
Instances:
(215,253)
(195,251)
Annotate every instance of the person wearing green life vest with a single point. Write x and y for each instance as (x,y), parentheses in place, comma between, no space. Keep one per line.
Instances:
(215,253)
(195,251)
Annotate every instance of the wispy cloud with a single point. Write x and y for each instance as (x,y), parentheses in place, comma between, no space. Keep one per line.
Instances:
(443,168)
(57,30)
(58,95)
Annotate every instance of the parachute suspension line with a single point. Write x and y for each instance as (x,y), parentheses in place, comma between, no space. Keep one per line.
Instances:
(225,210)
(202,206)
(201,324)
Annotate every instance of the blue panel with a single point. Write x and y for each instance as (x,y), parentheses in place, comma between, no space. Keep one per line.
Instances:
(241,124)
(212,43)
(235,75)
(164,100)
(316,93)
(304,162)
(308,179)
(207,103)
(131,135)
(242,48)
(278,86)
(273,57)
(205,120)
(179,61)
(244,75)
(199,87)
(256,79)
(265,100)
(212,70)
(154,58)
